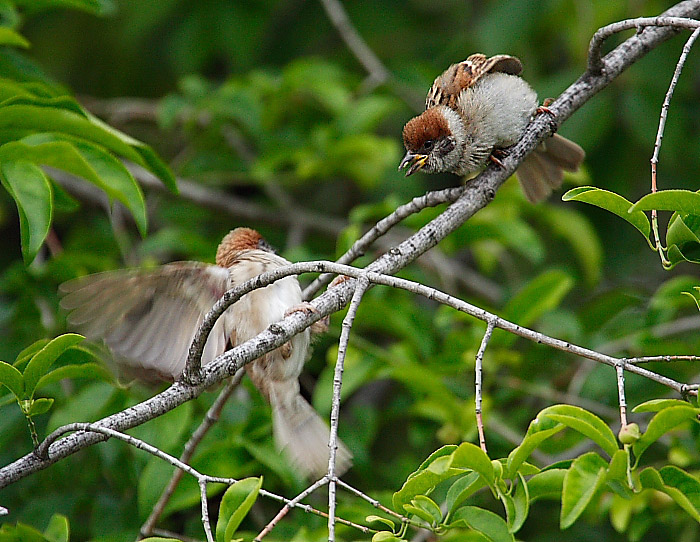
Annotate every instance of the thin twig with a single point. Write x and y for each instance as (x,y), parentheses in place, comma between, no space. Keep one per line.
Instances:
(359,247)
(288,506)
(675,327)
(377,72)
(620,373)
(209,420)
(360,289)
(595,62)
(201,478)
(205,509)
(336,13)
(141,445)
(373,502)
(269,277)
(665,359)
(477,382)
(659,136)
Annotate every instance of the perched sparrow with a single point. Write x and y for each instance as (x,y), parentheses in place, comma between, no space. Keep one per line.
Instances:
(476,108)
(149,318)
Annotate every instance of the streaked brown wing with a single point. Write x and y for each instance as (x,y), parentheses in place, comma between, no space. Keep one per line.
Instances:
(456,78)
(148,318)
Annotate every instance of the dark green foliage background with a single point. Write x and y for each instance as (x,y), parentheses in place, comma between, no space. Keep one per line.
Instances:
(257,97)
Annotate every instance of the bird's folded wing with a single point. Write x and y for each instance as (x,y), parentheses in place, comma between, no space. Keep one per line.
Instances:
(456,78)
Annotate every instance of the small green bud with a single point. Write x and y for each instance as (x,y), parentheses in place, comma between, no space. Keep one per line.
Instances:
(629,434)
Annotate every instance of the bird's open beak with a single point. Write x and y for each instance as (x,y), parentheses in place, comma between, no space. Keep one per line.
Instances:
(416,161)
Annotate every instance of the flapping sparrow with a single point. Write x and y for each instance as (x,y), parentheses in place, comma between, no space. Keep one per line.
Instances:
(148,319)
(477,107)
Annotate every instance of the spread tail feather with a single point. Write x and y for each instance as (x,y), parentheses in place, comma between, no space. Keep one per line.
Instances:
(303,435)
(543,170)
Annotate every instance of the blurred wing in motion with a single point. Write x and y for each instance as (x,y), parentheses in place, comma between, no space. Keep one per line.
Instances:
(148,318)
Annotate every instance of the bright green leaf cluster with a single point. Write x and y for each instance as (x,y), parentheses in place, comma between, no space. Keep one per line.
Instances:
(37,360)
(41,126)
(683,232)
(517,484)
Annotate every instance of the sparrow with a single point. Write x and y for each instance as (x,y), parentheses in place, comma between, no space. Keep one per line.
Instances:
(148,318)
(475,109)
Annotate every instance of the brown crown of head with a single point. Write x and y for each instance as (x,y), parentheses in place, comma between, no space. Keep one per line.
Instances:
(430,124)
(236,241)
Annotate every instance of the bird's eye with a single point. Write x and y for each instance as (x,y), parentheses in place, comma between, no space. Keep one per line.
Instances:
(428,145)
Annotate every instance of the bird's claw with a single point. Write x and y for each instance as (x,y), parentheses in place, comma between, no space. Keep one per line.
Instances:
(495,159)
(544,108)
(338,280)
(307,308)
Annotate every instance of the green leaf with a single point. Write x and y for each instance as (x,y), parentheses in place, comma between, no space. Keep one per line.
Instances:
(663,422)
(546,485)
(614,203)
(25,355)
(542,294)
(85,160)
(521,506)
(616,476)
(93,371)
(20,533)
(485,522)
(58,102)
(683,488)
(429,507)
(683,238)
(442,464)
(147,156)
(42,360)
(380,519)
(581,482)
(655,405)
(58,529)
(681,201)
(584,422)
(28,119)
(12,38)
(695,296)
(540,429)
(11,378)
(422,483)
(463,488)
(32,192)
(470,456)
(418,512)
(235,504)
(39,406)
(386,536)
(618,466)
